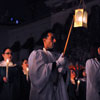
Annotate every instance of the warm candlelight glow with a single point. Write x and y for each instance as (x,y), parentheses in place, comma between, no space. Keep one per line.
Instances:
(7,61)
(80,18)
(27,69)
(85,19)
(78,82)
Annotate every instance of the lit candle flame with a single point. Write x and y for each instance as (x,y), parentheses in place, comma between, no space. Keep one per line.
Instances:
(80,19)
(78,82)
(7,61)
(27,69)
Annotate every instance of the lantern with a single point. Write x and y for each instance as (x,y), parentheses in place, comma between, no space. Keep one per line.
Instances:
(80,18)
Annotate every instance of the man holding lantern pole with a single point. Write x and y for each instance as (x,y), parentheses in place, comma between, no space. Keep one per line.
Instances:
(46,71)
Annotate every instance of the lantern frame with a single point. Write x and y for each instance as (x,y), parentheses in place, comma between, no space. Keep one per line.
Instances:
(80,18)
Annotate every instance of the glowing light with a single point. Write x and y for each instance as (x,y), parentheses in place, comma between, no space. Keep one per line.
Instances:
(78,82)
(80,18)
(27,69)
(17,22)
(7,61)
(11,19)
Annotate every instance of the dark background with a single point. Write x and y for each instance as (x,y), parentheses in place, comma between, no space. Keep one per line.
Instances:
(31,11)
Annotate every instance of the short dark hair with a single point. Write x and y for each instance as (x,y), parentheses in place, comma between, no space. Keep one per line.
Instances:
(3,51)
(23,60)
(45,34)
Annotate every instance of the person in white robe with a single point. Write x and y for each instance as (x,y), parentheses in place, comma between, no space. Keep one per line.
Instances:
(93,77)
(45,72)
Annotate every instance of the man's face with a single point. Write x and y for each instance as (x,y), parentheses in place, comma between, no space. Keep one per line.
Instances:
(49,41)
(7,55)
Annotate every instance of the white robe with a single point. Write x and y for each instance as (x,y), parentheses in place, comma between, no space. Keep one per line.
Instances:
(93,79)
(42,77)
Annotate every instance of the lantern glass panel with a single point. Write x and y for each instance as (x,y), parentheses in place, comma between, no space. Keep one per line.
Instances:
(78,20)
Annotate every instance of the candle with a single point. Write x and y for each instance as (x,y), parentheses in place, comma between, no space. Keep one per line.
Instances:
(27,69)
(7,63)
(78,82)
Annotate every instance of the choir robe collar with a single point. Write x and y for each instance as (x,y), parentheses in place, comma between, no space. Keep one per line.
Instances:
(3,64)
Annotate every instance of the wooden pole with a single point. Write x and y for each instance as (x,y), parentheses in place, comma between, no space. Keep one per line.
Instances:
(68,38)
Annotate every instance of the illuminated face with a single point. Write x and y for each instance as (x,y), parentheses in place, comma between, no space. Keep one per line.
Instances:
(99,50)
(25,64)
(7,55)
(73,74)
(84,73)
(49,41)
